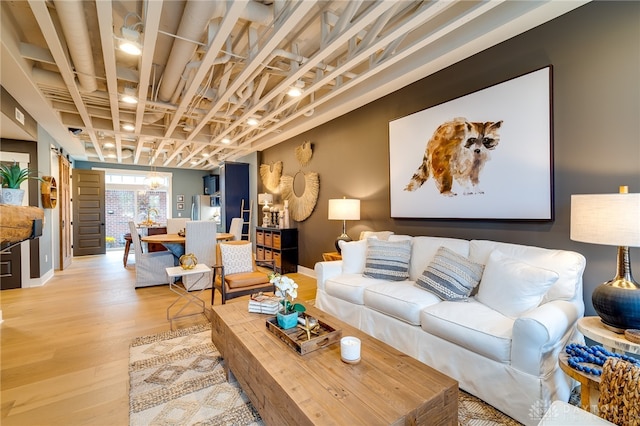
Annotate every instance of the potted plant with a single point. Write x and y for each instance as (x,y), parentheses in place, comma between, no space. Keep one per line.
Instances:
(288,290)
(12,177)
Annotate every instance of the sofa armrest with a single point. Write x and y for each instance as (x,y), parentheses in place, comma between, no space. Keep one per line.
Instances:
(327,270)
(539,335)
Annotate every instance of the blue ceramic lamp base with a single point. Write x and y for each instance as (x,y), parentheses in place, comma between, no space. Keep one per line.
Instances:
(617,302)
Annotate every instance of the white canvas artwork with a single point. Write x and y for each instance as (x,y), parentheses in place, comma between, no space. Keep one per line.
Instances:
(491,157)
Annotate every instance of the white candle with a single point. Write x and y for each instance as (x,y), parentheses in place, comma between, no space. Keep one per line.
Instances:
(350,349)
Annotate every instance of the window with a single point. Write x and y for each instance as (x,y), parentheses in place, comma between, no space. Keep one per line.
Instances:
(129,198)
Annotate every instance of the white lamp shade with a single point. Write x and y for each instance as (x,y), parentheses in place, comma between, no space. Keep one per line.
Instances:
(344,209)
(265,198)
(609,219)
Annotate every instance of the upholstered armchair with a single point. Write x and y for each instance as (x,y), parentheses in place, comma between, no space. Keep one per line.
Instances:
(150,267)
(175,224)
(235,273)
(200,239)
(236,228)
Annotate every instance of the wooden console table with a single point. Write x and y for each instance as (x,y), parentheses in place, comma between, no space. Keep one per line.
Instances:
(331,256)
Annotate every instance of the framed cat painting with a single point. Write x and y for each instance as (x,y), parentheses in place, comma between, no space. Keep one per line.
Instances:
(485,155)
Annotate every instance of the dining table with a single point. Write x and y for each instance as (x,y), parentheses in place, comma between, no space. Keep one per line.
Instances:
(175,242)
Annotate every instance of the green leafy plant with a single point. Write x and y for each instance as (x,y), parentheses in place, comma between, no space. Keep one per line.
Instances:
(12,176)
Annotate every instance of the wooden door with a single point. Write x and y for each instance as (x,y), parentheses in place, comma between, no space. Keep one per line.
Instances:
(88,212)
(64,201)
(10,272)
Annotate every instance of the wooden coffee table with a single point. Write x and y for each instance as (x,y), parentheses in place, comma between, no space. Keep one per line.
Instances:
(386,387)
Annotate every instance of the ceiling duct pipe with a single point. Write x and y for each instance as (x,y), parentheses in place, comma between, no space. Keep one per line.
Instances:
(195,18)
(74,27)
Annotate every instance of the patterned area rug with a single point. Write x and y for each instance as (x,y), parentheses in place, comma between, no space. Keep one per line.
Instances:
(176,378)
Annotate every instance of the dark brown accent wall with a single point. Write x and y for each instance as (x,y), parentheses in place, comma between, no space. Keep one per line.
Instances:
(595,53)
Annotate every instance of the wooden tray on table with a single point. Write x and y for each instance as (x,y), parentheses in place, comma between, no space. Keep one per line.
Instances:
(296,338)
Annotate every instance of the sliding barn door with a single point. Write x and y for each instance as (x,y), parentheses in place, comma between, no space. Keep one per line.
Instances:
(64,203)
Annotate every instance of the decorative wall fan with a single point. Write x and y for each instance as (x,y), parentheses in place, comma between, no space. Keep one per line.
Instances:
(304,153)
(301,207)
(270,174)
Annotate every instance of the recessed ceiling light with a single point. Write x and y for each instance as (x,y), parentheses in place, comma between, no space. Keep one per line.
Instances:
(294,92)
(205,154)
(108,145)
(252,122)
(226,141)
(128,126)
(129,95)
(130,43)
(129,99)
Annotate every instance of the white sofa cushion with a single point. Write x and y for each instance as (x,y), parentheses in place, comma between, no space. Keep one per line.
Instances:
(349,287)
(354,254)
(401,300)
(423,250)
(450,276)
(387,260)
(513,287)
(381,235)
(471,325)
(568,264)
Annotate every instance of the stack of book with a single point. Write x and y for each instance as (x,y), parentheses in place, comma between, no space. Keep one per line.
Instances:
(263,304)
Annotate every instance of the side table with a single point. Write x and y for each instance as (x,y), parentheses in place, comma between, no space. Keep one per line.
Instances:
(333,255)
(183,291)
(589,383)
(593,328)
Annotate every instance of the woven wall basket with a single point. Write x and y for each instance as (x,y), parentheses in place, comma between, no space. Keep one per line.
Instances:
(301,207)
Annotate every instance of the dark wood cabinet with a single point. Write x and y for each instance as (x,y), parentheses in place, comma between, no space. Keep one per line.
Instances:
(156,230)
(280,245)
(234,187)
(210,184)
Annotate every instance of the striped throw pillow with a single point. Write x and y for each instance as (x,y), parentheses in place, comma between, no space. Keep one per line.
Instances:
(387,260)
(450,276)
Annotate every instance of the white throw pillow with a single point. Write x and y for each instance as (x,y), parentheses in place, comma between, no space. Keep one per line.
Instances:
(354,254)
(513,287)
(381,235)
(236,258)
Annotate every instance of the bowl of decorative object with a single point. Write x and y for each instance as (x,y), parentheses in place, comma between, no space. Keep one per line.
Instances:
(188,261)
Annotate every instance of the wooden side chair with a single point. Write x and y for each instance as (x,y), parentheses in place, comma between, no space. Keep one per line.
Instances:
(235,273)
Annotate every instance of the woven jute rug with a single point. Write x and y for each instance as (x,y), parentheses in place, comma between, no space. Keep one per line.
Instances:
(177,378)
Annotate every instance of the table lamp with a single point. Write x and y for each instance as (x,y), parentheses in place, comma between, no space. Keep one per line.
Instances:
(265,199)
(344,209)
(612,219)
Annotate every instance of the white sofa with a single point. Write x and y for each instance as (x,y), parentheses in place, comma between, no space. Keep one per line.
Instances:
(503,355)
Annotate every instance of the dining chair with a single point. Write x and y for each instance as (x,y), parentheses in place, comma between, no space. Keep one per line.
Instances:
(235,228)
(235,272)
(150,267)
(175,224)
(200,239)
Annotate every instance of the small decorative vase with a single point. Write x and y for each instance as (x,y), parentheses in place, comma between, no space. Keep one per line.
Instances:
(11,196)
(188,261)
(287,321)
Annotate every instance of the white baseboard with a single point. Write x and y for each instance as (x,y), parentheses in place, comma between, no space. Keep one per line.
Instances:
(306,271)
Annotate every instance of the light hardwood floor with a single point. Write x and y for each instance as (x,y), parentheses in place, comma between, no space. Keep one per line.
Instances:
(65,346)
